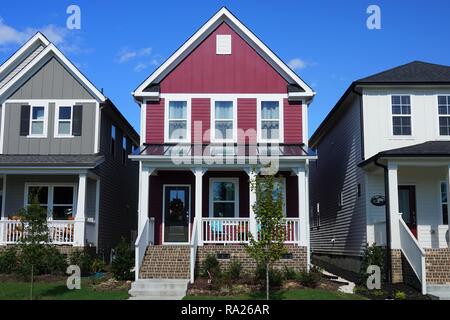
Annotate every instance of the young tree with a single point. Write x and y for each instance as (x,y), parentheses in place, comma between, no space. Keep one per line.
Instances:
(268,247)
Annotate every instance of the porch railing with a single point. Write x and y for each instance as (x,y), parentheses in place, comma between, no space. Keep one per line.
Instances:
(193,253)
(145,237)
(60,232)
(413,252)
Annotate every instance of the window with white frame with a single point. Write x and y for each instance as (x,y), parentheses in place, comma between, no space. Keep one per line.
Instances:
(270,125)
(177,121)
(64,121)
(444,203)
(224,202)
(58,200)
(224,121)
(401,115)
(279,190)
(444,115)
(38,121)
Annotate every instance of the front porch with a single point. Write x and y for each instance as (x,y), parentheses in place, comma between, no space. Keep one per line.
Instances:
(70,198)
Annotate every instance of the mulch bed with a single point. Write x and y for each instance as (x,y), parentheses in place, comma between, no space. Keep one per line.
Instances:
(387,292)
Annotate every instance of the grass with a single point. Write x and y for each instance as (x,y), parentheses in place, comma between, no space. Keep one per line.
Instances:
(297,294)
(57,291)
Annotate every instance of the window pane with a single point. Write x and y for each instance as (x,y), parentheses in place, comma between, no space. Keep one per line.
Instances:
(444,126)
(224,110)
(443,192)
(443,110)
(224,210)
(62,212)
(38,193)
(442,100)
(63,195)
(395,99)
(177,130)
(64,127)
(37,127)
(270,130)
(406,100)
(224,130)
(270,110)
(406,109)
(38,113)
(65,113)
(396,109)
(223,191)
(177,110)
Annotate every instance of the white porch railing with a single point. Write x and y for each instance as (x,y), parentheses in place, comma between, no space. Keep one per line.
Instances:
(413,252)
(292,230)
(443,236)
(194,245)
(60,232)
(145,237)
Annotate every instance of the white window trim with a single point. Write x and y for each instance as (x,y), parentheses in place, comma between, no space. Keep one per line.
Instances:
(225,37)
(401,137)
(442,136)
(50,199)
(57,120)
(441,214)
(164,213)
(236,195)
(34,104)
(213,120)
(280,119)
(166,119)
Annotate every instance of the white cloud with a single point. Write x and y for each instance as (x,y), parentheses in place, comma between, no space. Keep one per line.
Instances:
(126,54)
(139,67)
(299,64)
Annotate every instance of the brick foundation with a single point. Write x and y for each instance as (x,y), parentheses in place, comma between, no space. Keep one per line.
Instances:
(438,266)
(298,260)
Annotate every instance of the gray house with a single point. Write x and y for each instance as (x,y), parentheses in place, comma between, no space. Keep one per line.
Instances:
(63,141)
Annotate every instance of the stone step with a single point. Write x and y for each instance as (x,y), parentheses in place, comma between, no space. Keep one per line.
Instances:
(158,289)
(439,291)
(166,262)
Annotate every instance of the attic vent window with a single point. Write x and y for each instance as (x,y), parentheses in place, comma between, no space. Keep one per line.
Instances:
(223,44)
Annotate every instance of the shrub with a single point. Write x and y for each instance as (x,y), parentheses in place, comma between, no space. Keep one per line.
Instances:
(373,255)
(123,261)
(275,276)
(211,265)
(234,270)
(8,260)
(45,260)
(290,274)
(97,265)
(310,279)
(399,295)
(83,260)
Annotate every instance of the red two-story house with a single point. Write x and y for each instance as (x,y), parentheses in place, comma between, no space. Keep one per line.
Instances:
(218,111)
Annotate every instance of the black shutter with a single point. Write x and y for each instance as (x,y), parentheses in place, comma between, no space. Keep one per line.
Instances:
(25,120)
(77,124)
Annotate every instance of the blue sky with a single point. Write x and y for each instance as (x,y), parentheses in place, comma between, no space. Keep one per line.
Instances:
(121,42)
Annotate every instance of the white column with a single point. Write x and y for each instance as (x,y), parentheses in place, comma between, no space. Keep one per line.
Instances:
(198,173)
(394,214)
(3,213)
(79,233)
(448,197)
(253,228)
(144,195)
(302,207)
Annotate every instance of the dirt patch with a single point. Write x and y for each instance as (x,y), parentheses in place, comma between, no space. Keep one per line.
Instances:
(388,292)
(112,284)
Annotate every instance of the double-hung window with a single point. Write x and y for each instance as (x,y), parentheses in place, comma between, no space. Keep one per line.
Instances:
(444,203)
(444,115)
(38,121)
(64,121)
(270,121)
(224,121)
(401,115)
(224,197)
(177,122)
(58,200)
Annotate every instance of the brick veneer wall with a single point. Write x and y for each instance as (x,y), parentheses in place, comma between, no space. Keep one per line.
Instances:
(297,262)
(437,263)
(402,272)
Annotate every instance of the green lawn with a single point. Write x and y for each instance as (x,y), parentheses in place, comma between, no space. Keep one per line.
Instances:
(57,291)
(297,294)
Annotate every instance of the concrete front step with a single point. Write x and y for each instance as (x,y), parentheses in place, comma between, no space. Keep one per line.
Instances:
(439,291)
(158,289)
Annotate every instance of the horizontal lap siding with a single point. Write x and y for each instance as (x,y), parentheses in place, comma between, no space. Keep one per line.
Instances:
(247,119)
(155,122)
(201,112)
(292,121)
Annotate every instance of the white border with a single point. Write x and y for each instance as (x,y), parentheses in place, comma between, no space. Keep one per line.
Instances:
(236,194)
(188,118)
(213,120)
(280,120)
(36,104)
(401,137)
(164,214)
(57,120)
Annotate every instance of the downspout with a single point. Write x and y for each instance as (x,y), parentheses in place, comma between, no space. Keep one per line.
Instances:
(388,221)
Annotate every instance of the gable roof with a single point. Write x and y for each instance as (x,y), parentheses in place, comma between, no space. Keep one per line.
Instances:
(223,15)
(413,73)
(31,56)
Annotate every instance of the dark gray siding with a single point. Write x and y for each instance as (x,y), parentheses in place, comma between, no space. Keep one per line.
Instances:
(118,190)
(90,198)
(16,144)
(336,170)
(52,81)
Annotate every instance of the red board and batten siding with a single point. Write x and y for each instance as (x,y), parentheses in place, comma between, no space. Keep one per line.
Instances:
(293,121)
(201,112)
(244,71)
(155,122)
(246,118)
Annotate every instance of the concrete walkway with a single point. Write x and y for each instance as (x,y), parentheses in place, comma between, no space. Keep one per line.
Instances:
(158,289)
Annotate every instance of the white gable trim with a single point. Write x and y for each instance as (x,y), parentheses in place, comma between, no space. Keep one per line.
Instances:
(51,48)
(218,18)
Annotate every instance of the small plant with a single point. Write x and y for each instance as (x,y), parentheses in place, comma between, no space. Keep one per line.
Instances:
(373,255)
(83,260)
(275,276)
(210,266)
(123,261)
(400,295)
(98,265)
(310,279)
(290,274)
(8,260)
(234,270)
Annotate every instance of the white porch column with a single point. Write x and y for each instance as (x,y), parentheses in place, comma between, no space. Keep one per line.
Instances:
(253,226)
(144,189)
(80,221)
(198,173)
(394,214)
(302,207)
(448,197)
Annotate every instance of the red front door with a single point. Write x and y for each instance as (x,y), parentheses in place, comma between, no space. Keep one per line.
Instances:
(407,206)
